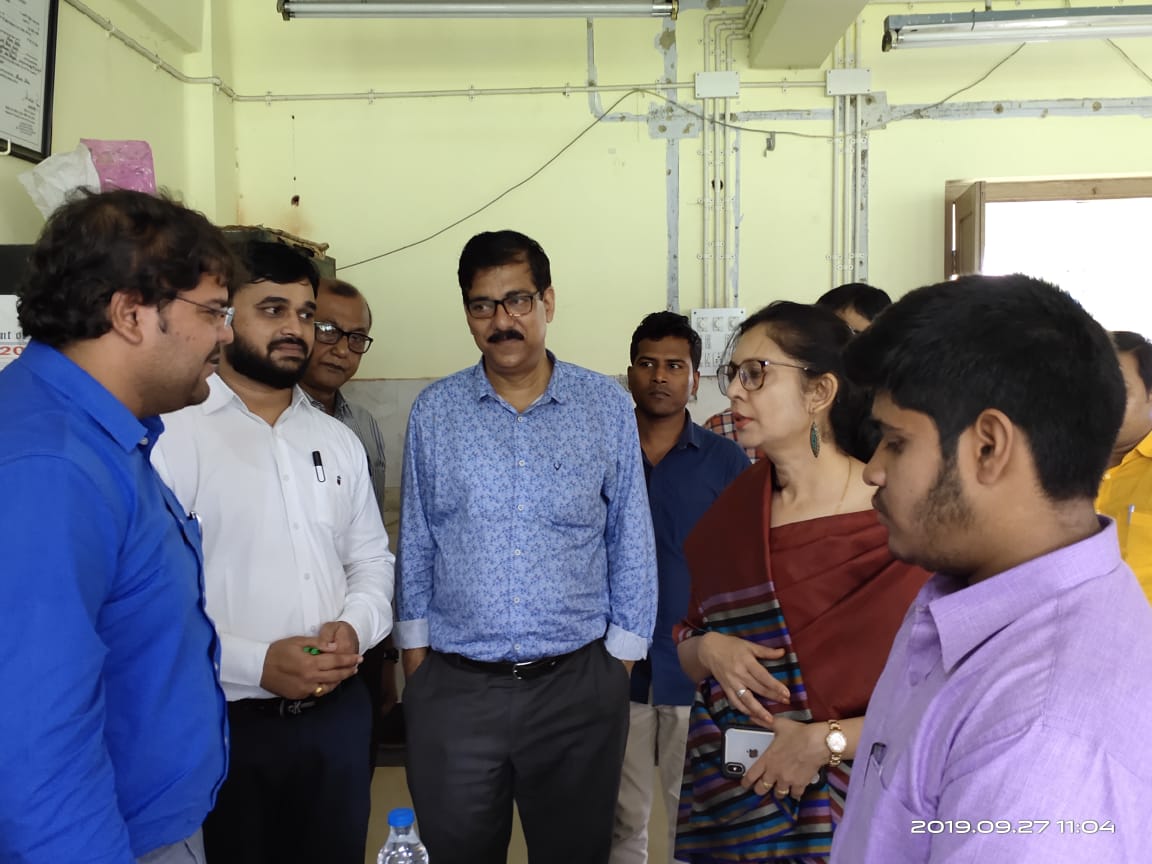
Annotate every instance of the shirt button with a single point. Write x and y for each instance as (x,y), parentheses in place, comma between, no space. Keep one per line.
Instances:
(521,463)
(520,507)
(284,477)
(516,552)
(517,646)
(307,577)
(520,419)
(516,600)
(295,526)
(144,443)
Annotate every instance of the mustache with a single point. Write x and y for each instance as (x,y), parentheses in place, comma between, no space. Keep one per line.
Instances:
(289,340)
(876,505)
(504,336)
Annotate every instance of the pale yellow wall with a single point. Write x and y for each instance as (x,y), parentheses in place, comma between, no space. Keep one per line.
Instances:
(103,90)
(372,177)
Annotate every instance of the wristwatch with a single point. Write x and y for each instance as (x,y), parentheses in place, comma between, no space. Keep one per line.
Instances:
(837,743)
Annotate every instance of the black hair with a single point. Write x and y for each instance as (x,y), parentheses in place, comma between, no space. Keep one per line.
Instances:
(497,249)
(665,325)
(1011,343)
(865,299)
(346,289)
(268,261)
(1127,342)
(815,337)
(101,243)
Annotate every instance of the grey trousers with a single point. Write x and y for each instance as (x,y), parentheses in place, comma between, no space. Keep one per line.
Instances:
(189,851)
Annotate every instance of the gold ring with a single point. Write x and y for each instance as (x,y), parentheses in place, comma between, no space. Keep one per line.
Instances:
(319,689)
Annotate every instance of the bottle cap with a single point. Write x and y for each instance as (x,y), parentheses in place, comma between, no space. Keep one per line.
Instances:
(401,817)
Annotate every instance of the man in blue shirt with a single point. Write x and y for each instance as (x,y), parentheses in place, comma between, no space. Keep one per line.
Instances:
(527,581)
(113,732)
(686,468)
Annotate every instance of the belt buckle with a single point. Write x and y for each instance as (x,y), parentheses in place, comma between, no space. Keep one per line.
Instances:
(517,667)
(293,707)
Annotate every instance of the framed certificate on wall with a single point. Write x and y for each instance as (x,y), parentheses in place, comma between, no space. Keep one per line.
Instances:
(12,340)
(27,62)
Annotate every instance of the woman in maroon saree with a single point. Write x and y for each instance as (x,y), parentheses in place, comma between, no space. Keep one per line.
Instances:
(792,584)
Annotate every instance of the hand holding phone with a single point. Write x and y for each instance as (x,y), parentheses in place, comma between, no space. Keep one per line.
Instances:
(743,746)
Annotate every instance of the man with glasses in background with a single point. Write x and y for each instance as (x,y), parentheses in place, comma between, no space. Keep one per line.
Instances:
(343,320)
(298,579)
(527,585)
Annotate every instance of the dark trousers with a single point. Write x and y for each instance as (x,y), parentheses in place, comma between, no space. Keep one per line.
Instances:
(298,786)
(479,741)
(372,672)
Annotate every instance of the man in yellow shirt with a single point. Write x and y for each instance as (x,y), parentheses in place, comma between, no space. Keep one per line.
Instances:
(1126,491)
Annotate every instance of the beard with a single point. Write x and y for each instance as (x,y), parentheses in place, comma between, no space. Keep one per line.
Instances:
(943,512)
(247,360)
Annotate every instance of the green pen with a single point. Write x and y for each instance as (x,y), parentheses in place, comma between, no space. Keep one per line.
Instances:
(312,649)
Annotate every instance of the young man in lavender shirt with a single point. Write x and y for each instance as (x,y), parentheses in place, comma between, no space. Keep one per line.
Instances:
(1011,721)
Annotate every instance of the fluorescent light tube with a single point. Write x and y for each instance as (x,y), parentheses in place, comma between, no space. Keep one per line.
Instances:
(476,9)
(1031,25)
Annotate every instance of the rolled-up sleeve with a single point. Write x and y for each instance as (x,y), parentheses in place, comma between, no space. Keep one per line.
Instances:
(417,547)
(631,548)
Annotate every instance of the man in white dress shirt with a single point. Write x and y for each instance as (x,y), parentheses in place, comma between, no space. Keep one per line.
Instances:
(298,579)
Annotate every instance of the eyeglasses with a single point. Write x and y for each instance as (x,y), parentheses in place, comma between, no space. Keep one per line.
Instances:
(750,372)
(330,334)
(515,305)
(224,313)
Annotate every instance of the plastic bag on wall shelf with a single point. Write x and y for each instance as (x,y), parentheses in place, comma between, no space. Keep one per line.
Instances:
(53,181)
(123,164)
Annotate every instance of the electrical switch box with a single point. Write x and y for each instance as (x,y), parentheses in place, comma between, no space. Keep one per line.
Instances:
(715,327)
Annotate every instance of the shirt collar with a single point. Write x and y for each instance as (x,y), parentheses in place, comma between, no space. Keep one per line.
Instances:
(968,615)
(80,388)
(556,391)
(1144,448)
(690,435)
(221,396)
(340,407)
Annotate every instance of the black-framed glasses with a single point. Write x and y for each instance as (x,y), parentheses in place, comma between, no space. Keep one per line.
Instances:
(224,313)
(329,334)
(516,305)
(750,372)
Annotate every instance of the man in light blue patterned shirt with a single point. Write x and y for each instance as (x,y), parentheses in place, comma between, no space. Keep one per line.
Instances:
(528,581)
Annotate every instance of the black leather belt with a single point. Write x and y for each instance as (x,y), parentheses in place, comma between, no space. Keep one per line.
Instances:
(521,671)
(284,707)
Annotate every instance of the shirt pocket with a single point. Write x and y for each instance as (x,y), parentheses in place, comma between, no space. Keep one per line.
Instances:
(573,491)
(331,500)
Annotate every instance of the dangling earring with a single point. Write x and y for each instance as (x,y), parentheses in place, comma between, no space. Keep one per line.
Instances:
(814,439)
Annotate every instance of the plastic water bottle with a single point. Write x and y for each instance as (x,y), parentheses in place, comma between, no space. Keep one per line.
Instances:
(403,846)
